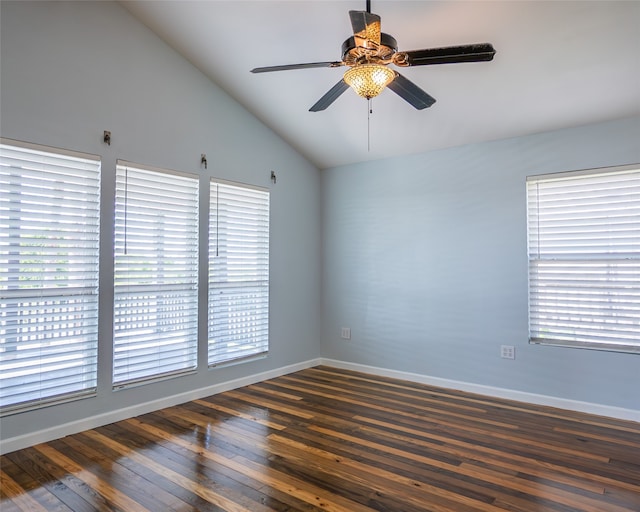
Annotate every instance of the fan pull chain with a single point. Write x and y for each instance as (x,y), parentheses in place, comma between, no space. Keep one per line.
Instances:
(369,112)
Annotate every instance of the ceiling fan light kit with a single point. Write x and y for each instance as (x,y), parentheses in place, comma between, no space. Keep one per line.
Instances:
(369,52)
(369,80)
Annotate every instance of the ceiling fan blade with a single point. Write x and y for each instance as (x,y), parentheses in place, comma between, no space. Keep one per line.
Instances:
(332,95)
(410,92)
(298,66)
(366,28)
(450,55)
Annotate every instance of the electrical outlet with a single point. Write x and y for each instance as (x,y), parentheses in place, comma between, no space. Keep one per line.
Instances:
(508,352)
(345,333)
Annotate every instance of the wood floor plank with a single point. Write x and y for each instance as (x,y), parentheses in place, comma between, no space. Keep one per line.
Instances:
(514,483)
(413,491)
(191,500)
(101,486)
(64,484)
(248,441)
(12,494)
(86,451)
(454,456)
(393,408)
(328,439)
(180,445)
(611,424)
(240,414)
(510,437)
(268,477)
(440,475)
(511,458)
(182,461)
(36,471)
(196,487)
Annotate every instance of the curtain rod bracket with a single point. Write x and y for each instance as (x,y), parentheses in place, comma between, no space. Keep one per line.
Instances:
(203,160)
(106,137)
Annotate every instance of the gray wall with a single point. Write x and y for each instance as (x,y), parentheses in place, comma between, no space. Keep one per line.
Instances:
(424,257)
(72,70)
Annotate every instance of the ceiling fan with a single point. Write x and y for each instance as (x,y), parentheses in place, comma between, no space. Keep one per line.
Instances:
(369,52)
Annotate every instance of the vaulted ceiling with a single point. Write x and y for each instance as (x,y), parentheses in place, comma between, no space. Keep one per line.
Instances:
(557,64)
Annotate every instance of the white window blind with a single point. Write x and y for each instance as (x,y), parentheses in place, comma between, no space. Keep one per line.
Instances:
(156,274)
(49,230)
(584,259)
(238,272)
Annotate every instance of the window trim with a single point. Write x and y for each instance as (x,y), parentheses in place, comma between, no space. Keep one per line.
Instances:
(218,363)
(89,392)
(50,149)
(630,348)
(192,369)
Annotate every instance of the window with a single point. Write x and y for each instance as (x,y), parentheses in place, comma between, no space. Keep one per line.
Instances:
(238,272)
(156,274)
(584,259)
(49,233)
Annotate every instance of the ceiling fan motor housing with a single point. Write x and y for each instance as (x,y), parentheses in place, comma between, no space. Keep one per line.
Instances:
(352,54)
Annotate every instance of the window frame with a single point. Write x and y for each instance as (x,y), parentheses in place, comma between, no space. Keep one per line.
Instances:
(78,187)
(255,328)
(188,286)
(610,258)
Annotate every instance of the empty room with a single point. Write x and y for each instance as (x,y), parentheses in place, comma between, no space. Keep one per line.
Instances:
(301,255)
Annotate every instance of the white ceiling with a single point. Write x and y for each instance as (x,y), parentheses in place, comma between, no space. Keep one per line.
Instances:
(558,64)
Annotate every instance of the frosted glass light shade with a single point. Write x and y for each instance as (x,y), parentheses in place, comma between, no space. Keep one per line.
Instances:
(368,80)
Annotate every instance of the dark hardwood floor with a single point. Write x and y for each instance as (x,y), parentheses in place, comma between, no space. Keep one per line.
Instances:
(336,440)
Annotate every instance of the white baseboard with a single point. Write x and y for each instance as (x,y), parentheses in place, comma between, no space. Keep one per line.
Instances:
(73,427)
(42,436)
(510,394)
